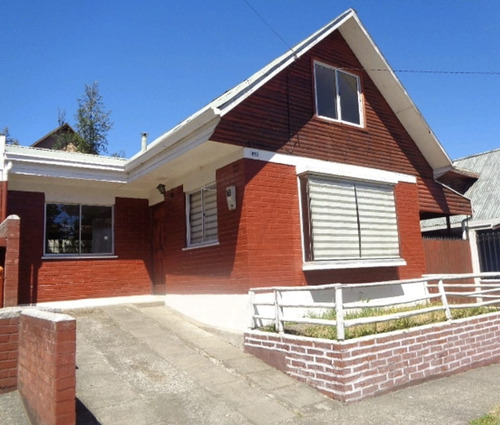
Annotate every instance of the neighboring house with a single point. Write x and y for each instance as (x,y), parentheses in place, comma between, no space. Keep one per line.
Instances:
(50,140)
(316,169)
(483,227)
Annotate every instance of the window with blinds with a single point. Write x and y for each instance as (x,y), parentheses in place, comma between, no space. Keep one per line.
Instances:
(349,219)
(202,216)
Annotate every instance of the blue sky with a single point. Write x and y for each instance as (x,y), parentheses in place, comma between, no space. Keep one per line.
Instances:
(157,62)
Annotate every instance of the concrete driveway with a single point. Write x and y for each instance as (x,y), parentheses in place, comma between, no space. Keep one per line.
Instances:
(147,365)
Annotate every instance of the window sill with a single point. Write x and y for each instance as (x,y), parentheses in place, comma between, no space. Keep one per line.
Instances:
(353,264)
(201,245)
(79,257)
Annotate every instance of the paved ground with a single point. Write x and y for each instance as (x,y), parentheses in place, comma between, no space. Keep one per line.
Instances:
(147,365)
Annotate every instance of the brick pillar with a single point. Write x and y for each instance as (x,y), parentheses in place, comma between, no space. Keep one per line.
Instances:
(46,371)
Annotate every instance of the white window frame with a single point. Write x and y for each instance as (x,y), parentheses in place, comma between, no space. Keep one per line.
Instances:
(48,255)
(206,240)
(337,99)
(337,263)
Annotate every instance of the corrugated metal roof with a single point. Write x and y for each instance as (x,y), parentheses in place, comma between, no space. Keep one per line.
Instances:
(484,193)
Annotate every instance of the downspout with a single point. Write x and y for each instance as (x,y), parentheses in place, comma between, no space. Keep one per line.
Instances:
(465,228)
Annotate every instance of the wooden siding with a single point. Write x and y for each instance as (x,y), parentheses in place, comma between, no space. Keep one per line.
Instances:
(280,117)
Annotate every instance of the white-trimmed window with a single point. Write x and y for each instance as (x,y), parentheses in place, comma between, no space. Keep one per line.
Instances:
(338,94)
(348,220)
(74,229)
(201,216)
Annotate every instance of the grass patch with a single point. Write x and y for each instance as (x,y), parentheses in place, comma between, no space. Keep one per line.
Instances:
(330,332)
(492,418)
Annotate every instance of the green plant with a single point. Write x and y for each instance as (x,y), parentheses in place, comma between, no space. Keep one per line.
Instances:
(492,418)
(330,332)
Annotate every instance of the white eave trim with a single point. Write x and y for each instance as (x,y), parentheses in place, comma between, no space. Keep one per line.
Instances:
(59,164)
(304,165)
(186,136)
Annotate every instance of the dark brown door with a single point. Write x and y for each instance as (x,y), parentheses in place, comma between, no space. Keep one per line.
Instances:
(159,239)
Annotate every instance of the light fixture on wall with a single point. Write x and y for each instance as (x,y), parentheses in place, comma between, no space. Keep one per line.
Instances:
(161,188)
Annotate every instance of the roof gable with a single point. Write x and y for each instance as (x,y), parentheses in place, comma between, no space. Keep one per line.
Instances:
(377,68)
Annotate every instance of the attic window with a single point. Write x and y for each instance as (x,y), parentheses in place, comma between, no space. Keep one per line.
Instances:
(338,94)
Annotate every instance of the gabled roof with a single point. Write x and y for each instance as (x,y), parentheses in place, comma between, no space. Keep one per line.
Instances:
(64,128)
(197,129)
(372,61)
(484,194)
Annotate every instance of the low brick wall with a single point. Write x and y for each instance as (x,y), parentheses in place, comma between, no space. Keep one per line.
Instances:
(363,367)
(39,348)
(9,348)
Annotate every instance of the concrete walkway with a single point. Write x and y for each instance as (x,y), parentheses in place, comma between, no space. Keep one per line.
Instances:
(147,365)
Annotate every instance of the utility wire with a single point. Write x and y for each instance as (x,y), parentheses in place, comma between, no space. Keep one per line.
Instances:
(422,71)
(276,33)
(408,71)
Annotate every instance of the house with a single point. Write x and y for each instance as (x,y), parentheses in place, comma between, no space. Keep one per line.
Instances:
(316,169)
(50,140)
(482,229)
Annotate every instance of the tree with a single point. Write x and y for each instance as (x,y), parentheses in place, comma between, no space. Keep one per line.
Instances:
(92,122)
(8,138)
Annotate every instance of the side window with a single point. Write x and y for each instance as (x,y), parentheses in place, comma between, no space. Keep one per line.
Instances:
(72,229)
(202,216)
(338,94)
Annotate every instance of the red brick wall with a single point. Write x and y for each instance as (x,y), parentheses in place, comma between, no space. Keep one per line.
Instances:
(411,245)
(9,349)
(46,375)
(280,117)
(60,279)
(260,242)
(214,269)
(364,367)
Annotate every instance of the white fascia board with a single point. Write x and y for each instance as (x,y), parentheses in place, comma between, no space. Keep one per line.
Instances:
(239,93)
(174,144)
(304,165)
(49,163)
(394,92)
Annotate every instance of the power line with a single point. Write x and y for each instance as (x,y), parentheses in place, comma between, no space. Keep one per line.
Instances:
(407,71)
(276,33)
(423,71)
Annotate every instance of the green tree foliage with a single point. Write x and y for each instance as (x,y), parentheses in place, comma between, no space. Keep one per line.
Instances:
(9,139)
(92,122)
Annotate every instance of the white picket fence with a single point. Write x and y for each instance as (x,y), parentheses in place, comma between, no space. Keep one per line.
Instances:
(294,304)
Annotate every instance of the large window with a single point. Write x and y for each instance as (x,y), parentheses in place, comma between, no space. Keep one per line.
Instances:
(202,216)
(338,94)
(78,229)
(346,220)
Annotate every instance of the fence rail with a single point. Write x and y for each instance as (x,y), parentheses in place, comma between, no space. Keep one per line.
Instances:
(431,293)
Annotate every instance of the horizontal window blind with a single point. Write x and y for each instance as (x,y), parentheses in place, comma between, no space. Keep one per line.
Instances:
(203,215)
(377,221)
(351,220)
